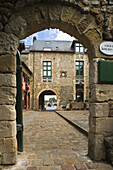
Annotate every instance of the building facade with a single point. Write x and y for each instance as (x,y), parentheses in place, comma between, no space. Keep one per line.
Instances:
(60,68)
(26,87)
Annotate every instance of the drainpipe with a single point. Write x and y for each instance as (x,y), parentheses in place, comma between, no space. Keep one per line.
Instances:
(33,81)
(19,114)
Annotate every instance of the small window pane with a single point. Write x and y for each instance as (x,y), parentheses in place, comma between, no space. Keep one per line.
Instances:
(49,68)
(45,68)
(77,44)
(81,63)
(49,73)
(49,63)
(77,67)
(77,72)
(44,73)
(81,49)
(77,63)
(81,72)
(45,63)
(77,49)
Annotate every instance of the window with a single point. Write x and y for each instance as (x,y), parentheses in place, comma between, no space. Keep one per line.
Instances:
(79,92)
(47,42)
(79,48)
(47,49)
(47,69)
(79,68)
(63,74)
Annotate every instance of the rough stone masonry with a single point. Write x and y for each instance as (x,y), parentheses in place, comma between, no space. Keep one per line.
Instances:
(91,22)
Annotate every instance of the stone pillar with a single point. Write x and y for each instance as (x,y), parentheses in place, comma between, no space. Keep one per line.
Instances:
(8,143)
(100,123)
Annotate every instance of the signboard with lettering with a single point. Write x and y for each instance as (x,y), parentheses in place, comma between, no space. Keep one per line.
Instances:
(107,48)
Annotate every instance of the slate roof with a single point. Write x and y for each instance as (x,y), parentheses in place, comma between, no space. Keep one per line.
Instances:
(52,45)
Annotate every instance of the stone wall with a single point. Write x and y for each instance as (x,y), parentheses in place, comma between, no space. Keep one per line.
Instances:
(8,143)
(58,83)
(90,21)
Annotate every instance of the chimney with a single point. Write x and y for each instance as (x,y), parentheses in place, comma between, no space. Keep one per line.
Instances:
(34,38)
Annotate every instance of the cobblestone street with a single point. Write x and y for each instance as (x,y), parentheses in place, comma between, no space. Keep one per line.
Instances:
(50,143)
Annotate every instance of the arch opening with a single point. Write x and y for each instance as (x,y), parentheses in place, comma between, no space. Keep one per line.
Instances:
(47,101)
(72,18)
(69,27)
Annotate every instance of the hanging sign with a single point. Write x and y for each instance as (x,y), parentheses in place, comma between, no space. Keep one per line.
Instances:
(107,48)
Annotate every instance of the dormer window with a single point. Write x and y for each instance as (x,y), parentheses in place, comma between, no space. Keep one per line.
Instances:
(79,48)
(47,42)
(47,49)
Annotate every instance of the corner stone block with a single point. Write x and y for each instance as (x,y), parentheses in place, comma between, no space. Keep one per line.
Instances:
(8,80)
(10,145)
(102,126)
(101,92)
(7,112)
(99,110)
(1,146)
(95,139)
(96,153)
(7,95)
(7,129)
(7,63)
(9,158)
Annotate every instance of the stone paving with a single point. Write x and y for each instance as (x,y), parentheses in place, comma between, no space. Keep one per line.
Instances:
(80,118)
(51,143)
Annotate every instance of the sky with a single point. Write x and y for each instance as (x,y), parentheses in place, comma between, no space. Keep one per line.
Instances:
(51,34)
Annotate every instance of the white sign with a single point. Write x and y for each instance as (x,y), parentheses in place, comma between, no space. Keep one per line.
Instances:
(107,48)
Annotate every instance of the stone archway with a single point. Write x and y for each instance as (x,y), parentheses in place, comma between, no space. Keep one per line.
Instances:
(41,98)
(85,20)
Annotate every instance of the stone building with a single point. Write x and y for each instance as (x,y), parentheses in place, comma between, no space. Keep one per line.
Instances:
(26,87)
(60,68)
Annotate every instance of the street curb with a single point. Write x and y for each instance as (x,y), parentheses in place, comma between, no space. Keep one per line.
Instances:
(81,129)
